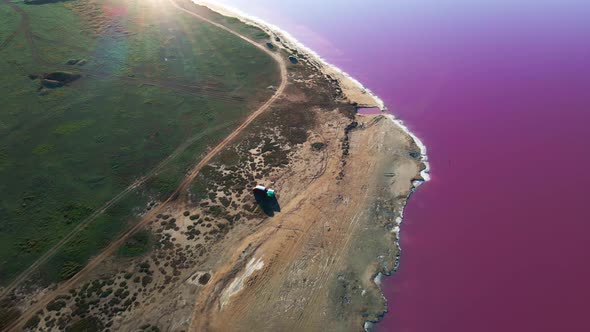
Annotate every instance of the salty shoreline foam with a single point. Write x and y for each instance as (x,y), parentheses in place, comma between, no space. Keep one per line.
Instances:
(425,173)
(285,36)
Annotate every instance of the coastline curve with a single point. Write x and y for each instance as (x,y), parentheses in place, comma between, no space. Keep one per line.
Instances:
(291,42)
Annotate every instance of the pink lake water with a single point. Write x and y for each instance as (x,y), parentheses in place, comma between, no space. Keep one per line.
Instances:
(499,91)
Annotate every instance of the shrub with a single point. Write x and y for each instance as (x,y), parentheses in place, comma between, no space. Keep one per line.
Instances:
(146,280)
(137,245)
(55,305)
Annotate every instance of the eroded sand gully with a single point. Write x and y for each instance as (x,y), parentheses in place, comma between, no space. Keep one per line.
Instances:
(320,253)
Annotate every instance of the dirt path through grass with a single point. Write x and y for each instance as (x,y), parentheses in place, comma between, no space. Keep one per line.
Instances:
(108,251)
(21,26)
(80,227)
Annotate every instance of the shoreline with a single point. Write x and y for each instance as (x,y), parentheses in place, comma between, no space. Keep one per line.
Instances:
(289,42)
(323,66)
(347,82)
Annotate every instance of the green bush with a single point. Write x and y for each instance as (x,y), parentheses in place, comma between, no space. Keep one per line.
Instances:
(137,245)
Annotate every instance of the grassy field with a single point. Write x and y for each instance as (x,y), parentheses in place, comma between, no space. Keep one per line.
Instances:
(154,82)
(9,22)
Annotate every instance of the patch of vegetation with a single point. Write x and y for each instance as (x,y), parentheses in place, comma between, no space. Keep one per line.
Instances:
(69,269)
(233,23)
(8,313)
(33,322)
(149,328)
(137,245)
(55,305)
(146,280)
(215,210)
(42,2)
(9,22)
(88,324)
(42,148)
(71,127)
(318,146)
(74,255)
(204,279)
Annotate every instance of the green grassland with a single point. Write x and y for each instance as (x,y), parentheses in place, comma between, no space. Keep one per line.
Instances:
(9,22)
(154,82)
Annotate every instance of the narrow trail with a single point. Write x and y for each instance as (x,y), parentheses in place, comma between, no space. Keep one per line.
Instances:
(279,91)
(108,251)
(24,27)
(21,26)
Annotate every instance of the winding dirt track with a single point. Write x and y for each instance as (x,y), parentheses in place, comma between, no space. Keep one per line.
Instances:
(21,26)
(22,320)
(283,72)
(82,224)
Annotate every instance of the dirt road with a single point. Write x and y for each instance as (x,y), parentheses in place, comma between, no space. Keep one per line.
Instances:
(279,91)
(18,324)
(21,26)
